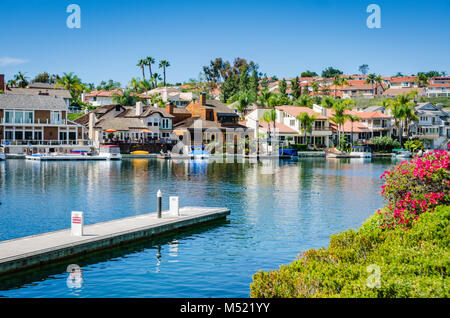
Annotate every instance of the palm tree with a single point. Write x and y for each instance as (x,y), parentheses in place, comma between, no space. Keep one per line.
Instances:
(141,64)
(134,84)
(374,79)
(306,121)
(304,101)
(340,117)
(70,82)
(164,64)
(21,79)
(409,115)
(315,87)
(145,85)
(264,97)
(149,61)
(271,116)
(155,78)
(339,81)
(352,119)
(124,99)
(327,102)
(397,108)
(244,99)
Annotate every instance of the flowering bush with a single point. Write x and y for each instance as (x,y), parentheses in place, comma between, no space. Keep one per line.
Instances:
(415,187)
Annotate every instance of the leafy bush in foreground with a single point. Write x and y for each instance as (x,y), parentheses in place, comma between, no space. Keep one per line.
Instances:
(412,263)
(407,243)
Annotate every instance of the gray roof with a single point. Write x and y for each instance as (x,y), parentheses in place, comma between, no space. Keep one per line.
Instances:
(32,102)
(120,124)
(64,93)
(219,107)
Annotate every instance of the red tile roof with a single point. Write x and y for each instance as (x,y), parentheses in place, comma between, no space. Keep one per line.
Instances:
(297,110)
(440,85)
(403,79)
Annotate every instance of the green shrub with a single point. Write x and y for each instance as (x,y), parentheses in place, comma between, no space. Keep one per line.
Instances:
(408,241)
(412,263)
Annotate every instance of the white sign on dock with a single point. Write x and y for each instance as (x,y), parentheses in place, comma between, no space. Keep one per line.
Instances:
(174,205)
(77,223)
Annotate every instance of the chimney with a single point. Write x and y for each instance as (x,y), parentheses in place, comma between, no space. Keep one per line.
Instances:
(138,108)
(2,82)
(202,98)
(169,108)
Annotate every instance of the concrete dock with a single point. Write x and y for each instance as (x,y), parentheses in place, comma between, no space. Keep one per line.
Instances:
(30,251)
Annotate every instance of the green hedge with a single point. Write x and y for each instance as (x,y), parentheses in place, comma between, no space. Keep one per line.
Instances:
(412,263)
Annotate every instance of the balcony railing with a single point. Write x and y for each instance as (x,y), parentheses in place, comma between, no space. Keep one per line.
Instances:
(46,142)
(33,122)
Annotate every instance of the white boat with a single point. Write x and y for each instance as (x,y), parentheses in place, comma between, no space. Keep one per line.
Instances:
(402,154)
(361,152)
(111,152)
(199,152)
(2,153)
(57,157)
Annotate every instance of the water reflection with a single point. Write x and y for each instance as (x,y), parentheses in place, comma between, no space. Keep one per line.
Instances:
(274,216)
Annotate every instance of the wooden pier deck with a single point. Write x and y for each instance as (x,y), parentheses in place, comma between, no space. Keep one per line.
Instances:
(26,252)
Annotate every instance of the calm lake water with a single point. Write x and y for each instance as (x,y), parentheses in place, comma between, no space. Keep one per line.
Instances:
(273,218)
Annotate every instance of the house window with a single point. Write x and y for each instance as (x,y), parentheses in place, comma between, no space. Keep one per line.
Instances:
(156,121)
(18,135)
(28,135)
(9,116)
(292,122)
(18,117)
(9,135)
(55,117)
(165,123)
(38,135)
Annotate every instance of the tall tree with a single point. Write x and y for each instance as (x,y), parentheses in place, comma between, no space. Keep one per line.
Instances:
(306,122)
(352,119)
(21,79)
(364,69)
(254,82)
(164,64)
(141,64)
(282,87)
(331,72)
(244,80)
(295,88)
(72,83)
(308,73)
(149,61)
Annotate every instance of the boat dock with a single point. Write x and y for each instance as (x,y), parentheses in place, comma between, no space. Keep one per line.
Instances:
(22,253)
(65,157)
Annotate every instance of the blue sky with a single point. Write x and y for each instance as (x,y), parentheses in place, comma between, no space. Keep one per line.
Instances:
(283,37)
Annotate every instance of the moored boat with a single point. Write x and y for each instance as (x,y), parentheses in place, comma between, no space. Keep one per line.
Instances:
(2,153)
(401,154)
(361,152)
(111,152)
(199,152)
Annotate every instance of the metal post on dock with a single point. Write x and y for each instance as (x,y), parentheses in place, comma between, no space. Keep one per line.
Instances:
(159,196)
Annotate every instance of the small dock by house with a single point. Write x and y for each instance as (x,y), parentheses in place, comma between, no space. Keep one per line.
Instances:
(23,253)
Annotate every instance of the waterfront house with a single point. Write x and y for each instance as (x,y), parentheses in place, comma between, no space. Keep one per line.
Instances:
(288,127)
(38,123)
(128,124)
(438,87)
(37,89)
(433,127)
(210,120)
(370,124)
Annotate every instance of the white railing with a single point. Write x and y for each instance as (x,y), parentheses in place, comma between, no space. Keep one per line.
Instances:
(46,142)
(33,122)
